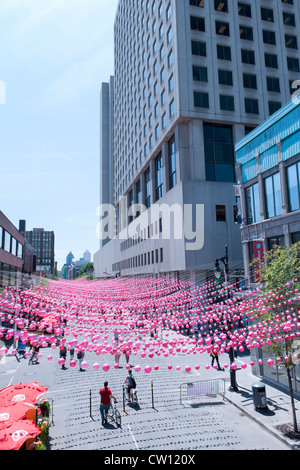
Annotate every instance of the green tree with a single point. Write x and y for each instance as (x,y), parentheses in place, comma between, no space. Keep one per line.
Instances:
(84,270)
(280,266)
(277,309)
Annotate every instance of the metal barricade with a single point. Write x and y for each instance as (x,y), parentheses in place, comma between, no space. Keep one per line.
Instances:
(210,388)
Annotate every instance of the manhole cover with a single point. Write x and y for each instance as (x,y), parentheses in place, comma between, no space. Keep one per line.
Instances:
(288,431)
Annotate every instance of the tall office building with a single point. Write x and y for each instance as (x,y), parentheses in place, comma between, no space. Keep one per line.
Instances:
(192,78)
(43,243)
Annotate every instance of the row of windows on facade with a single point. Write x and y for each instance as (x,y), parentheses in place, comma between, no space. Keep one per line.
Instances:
(131,11)
(137,38)
(151,257)
(38,235)
(145,234)
(219,164)
(156,228)
(225,77)
(278,240)
(134,46)
(247,56)
(131,114)
(45,262)
(10,244)
(126,69)
(246,32)
(137,125)
(7,269)
(158,178)
(272,195)
(201,100)
(148,145)
(144,102)
(245,9)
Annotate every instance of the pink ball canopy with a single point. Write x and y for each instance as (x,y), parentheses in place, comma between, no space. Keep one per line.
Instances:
(149,316)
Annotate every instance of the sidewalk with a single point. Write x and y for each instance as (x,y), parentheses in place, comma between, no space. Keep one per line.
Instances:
(277,418)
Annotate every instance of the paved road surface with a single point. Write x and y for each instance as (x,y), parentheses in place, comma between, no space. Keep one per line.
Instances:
(209,424)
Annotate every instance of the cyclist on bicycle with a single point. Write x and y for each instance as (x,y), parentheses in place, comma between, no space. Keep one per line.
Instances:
(34,354)
(131,384)
(106,395)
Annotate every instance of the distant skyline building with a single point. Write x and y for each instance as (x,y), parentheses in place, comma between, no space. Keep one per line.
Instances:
(43,243)
(87,256)
(72,267)
(191,79)
(69,258)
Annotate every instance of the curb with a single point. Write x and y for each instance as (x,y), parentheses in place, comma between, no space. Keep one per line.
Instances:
(266,428)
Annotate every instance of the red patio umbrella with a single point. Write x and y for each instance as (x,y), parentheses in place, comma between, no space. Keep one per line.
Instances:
(12,413)
(22,392)
(13,437)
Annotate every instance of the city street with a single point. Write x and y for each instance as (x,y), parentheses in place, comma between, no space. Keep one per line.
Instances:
(209,423)
(150,220)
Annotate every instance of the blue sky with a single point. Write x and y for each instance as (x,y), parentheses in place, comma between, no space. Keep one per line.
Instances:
(54,55)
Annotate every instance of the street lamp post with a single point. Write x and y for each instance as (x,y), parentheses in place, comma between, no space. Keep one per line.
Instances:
(217,272)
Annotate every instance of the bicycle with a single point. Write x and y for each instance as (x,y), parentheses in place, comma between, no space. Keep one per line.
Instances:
(133,396)
(114,414)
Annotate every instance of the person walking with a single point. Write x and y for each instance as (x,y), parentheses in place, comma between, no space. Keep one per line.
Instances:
(127,353)
(80,356)
(116,337)
(63,354)
(105,397)
(130,383)
(117,357)
(72,352)
(215,357)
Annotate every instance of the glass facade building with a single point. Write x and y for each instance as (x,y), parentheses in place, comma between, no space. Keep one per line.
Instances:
(268,164)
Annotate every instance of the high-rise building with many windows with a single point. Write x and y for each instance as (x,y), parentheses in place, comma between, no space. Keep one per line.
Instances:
(191,78)
(43,242)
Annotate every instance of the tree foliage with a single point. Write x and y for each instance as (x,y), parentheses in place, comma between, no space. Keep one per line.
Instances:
(280,266)
(277,309)
(83,271)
